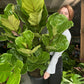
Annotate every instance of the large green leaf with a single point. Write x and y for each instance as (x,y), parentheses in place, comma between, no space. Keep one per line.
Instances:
(42,69)
(32,59)
(21,15)
(9,70)
(58,43)
(34,10)
(11,23)
(11,45)
(5,67)
(7,31)
(45,39)
(35,56)
(3,38)
(4,76)
(24,69)
(15,77)
(40,61)
(21,42)
(77,79)
(31,6)
(34,18)
(19,2)
(43,58)
(25,41)
(15,54)
(6,36)
(31,67)
(44,17)
(28,36)
(71,78)
(5,71)
(58,23)
(19,64)
(27,52)
(6,57)
(9,9)
(24,52)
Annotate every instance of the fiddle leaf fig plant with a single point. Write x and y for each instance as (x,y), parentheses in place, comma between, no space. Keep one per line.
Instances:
(28,47)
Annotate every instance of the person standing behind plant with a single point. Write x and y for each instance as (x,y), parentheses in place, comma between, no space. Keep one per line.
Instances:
(54,70)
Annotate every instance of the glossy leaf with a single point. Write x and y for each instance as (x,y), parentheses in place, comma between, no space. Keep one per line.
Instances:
(4,76)
(72,78)
(45,39)
(14,78)
(44,17)
(34,18)
(24,69)
(19,2)
(5,70)
(34,10)
(28,36)
(6,57)
(11,23)
(3,38)
(27,52)
(20,42)
(57,24)
(31,6)
(59,43)
(43,58)
(6,36)
(19,64)
(9,10)
(21,15)
(39,61)
(15,54)
(25,41)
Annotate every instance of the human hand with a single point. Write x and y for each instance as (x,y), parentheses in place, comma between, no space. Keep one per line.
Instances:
(46,75)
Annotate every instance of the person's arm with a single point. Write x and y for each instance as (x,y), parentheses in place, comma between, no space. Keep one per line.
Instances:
(52,66)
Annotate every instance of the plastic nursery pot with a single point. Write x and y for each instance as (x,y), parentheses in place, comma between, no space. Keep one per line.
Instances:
(35,80)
